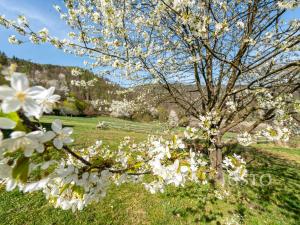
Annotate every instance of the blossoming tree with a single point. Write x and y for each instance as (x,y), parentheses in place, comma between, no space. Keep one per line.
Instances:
(220,61)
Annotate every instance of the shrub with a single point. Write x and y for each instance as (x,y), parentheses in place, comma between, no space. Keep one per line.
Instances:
(142,117)
(69,108)
(3,59)
(184,121)
(80,105)
(90,111)
(162,114)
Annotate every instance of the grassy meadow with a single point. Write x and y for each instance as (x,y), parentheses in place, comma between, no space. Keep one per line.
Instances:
(274,204)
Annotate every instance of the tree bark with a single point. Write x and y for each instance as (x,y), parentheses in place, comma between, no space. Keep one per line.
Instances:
(219,168)
(216,163)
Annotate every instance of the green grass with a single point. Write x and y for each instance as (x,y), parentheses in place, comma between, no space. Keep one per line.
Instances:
(85,131)
(292,154)
(277,203)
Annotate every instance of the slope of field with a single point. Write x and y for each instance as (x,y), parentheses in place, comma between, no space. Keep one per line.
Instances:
(276,203)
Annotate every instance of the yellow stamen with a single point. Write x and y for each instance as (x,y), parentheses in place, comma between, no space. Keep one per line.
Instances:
(21,96)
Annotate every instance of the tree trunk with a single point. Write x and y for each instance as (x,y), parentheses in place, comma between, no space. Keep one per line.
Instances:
(216,163)
(220,176)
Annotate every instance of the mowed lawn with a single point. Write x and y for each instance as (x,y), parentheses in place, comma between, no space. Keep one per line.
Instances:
(276,203)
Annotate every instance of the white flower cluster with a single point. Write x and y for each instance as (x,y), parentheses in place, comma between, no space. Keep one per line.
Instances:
(34,101)
(276,133)
(231,105)
(123,108)
(83,83)
(83,176)
(244,139)
(27,143)
(221,28)
(176,173)
(288,4)
(267,100)
(43,34)
(13,40)
(191,133)
(236,167)
(209,123)
(76,72)
(100,105)
(30,101)
(68,189)
(22,21)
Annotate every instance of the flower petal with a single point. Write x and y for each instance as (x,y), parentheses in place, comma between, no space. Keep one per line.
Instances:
(40,148)
(17,134)
(58,143)
(6,123)
(10,105)
(67,130)
(19,82)
(28,152)
(35,186)
(31,108)
(54,98)
(56,126)
(68,140)
(6,92)
(49,135)
(10,185)
(37,92)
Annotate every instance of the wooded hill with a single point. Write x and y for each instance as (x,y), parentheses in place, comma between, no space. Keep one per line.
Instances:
(60,77)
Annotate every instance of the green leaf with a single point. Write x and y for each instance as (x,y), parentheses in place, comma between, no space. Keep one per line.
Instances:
(65,187)
(14,117)
(78,191)
(138,165)
(21,169)
(174,139)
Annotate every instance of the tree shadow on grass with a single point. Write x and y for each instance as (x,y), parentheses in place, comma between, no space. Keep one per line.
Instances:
(194,201)
(276,198)
(47,126)
(283,189)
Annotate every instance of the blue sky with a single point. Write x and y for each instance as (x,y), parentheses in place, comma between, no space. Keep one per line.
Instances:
(41,13)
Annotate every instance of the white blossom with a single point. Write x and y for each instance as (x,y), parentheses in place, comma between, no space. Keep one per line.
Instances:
(240,24)
(244,139)
(19,140)
(62,134)
(235,166)
(13,40)
(6,123)
(47,99)
(19,95)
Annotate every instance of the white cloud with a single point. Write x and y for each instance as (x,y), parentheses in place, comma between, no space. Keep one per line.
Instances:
(31,12)
(37,16)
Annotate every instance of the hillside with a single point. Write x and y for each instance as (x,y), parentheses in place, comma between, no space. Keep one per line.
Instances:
(78,100)
(60,77)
